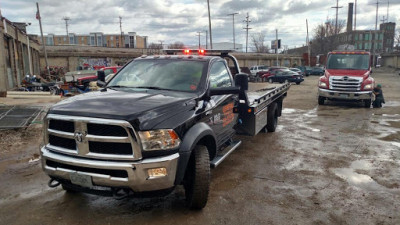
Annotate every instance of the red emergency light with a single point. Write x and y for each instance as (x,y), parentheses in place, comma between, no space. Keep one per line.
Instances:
(186,51)
(202,51)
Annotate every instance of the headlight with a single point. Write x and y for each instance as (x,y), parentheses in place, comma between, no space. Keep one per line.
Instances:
(368,86)
(322,84)
(159,139)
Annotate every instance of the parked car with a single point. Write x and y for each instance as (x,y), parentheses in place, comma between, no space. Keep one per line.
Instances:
(306,69)
(255,69)
(317,71)
(270,72)
(282,76)
(297,70)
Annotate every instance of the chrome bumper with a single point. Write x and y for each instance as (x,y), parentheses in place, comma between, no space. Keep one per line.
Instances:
(137,175)
(344,95)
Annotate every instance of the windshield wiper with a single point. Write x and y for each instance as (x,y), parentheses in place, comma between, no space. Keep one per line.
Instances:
(117,86)
(155,88)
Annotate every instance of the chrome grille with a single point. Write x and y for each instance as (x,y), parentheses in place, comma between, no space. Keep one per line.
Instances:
(345,83)
(91,137)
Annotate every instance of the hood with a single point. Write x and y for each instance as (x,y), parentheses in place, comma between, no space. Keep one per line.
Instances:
(357,73)
(143,109)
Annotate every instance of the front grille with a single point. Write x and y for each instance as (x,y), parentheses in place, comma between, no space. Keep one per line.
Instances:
(62,125)
(344,83)
(62,142)
(106,130)
(108,139)
(110,148)
(112,173)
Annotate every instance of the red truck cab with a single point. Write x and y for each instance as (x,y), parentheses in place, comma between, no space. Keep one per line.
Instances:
(347,77)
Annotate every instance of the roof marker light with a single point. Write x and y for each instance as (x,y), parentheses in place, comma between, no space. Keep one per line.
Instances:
(202,51)
(186,51)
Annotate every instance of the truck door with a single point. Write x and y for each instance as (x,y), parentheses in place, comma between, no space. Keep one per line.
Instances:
(223,117)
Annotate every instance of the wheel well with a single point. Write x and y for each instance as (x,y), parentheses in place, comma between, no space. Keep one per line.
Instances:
(211,145)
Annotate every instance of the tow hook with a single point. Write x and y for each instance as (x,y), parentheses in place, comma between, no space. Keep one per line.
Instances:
(53,183)
(120,194)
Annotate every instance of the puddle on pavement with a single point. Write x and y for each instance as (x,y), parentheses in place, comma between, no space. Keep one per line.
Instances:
(288,110)
(362,181)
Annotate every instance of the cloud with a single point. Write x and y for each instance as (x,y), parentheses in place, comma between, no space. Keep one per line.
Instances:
(179,20)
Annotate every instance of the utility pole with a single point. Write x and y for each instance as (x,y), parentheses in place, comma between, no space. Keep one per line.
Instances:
(355,14)
(337,7)
(376,20)
(233,18)
(209,23)
(387,12)
(198,34)
(276,47)
(66,18)
(161,43)
(247,28)
(308,45)
(43,42)
(383,19)
(120,28)
(206,38)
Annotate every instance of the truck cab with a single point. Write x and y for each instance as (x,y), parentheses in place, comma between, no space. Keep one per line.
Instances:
(347,76)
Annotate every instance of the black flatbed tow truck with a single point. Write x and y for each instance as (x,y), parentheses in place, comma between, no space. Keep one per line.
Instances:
(161,121)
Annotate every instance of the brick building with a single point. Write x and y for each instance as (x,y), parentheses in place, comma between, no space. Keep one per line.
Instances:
(99,39)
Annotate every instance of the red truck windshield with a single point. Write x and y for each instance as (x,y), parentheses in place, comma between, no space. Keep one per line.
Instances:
(348,61)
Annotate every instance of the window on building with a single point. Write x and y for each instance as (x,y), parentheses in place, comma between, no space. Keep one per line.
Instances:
(359,46)
(366,37)
(112,38)
(380,36)
(65,39)
(99,41)
(356,37)
(131,41)
(71,40)
(219,76)
(360,36)
(49,41)
(366,46)
(92,40)
(59,40)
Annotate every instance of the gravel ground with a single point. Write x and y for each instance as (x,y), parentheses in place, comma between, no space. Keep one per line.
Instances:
(332,164)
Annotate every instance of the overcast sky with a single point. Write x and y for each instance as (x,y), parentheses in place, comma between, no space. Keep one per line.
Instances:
(180,20)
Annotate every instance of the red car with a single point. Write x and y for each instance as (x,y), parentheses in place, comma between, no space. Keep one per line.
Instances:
(270,72)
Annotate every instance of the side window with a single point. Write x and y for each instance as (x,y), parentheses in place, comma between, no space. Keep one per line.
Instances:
(219,76)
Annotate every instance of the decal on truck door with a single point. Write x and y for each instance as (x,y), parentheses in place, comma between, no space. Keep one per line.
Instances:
(228,114)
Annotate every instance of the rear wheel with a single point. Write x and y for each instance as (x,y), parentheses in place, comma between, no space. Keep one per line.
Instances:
(297,83)
(367,103)
(272,118)
(197,178)
(321,100)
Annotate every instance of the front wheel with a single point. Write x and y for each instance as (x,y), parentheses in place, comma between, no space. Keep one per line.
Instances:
(197,178)
(321,100)
(297,83)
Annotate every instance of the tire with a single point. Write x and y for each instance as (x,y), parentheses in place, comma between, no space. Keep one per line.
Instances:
(270,80)
(367,103)
(321,100)
(197,178)
(297,83)
(272,117)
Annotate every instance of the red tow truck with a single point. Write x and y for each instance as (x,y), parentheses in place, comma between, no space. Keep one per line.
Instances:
(347,76)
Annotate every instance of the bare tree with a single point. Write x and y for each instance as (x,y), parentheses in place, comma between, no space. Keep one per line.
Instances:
(258,43)
(397,40)
(176,45)
(155,46)
(324,38)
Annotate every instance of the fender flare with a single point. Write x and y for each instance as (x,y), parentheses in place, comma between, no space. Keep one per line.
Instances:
(191,138)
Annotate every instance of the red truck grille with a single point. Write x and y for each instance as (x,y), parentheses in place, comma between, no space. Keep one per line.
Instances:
(345,83)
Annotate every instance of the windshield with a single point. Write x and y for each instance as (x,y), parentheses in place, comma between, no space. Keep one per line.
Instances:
(348,61)
(160,74)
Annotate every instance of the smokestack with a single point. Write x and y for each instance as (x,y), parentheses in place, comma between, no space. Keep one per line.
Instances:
(350,18)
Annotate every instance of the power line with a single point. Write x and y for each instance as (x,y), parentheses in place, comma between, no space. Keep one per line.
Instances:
(247,28)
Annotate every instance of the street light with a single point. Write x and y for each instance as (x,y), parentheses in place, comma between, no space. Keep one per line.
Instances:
(233,24)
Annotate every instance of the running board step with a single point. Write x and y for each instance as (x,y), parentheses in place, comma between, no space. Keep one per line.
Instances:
(218,159)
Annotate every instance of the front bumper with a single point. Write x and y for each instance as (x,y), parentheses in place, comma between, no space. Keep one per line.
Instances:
(344,95)
(137,177)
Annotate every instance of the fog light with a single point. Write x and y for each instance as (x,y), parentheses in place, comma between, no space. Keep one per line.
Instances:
(157,172)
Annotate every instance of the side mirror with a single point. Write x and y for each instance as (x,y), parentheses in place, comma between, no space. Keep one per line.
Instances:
(242,81)
(101,83)
(101,76)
